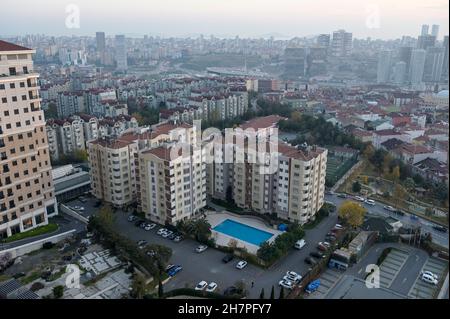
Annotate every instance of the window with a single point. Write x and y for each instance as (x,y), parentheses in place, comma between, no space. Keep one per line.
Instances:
(16,111)
(14,98)
(12,85)
(4,100)
(6,113)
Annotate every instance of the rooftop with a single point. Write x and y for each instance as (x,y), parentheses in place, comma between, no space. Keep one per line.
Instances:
(262,122)
(6,46)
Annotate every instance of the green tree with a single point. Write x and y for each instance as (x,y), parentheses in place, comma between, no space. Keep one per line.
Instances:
(138,286)
(261,295)
(356,187)
(202,230)
(352,212)
(410,184)
(272,293)
(58,292)
(281,293)
(106,216)
(160,289)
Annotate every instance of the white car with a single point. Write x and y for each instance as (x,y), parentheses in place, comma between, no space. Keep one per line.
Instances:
(167,234)
(241,264)
(292,276)
(149,226)
(338,226)
(300,244)
(370,202)
(389,208)
(430,274)
(359,198)
(201,285)
(211,287)
(161,231)
(286,284)
(80,208)
(429,279)
(201,248)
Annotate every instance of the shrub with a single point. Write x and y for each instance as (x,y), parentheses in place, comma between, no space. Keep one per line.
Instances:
(37,286)
(58,292)
(48,245)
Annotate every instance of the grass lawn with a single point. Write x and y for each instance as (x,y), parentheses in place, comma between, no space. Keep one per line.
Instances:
(34,232)
(32,277)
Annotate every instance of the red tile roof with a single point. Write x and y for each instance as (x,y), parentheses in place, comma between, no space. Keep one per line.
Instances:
(6,46)
(262,122)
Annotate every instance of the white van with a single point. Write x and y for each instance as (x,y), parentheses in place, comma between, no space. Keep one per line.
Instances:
(300,244)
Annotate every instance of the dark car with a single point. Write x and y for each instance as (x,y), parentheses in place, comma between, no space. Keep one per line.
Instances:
(310,261)
(138,223)
(399,212)
(227,258)
(440,228)
(317,254)
(330,238)
(19,275)
(342,195)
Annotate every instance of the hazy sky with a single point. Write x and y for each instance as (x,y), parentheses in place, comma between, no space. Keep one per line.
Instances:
(246,18)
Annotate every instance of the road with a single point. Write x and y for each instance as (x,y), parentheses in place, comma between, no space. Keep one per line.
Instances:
(438,237)
(208,265)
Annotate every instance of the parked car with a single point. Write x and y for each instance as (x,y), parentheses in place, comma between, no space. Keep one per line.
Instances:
(201,285)
(440,228)
(359,199)
(286,284)
(370,202)
(138,223)
(201,248)
(169,266)
(132,218)
(342,195)
(300,244)
(79,208)
(211,287)
(338,226)
(82,199)
(293,276)
(310,261)
(323,246)
(149,226)
(399,212)
(161,231)
(430,274)
(241,264)
(429,279)
(151,253)
(317,254)
(172,236)
(330,238)
(20,275)
(389,208)
(178,238)
(228,258)
(174,270)
(141,242)
(413,217)
(167,234)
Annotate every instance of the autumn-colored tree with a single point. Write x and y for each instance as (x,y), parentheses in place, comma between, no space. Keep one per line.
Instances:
(365,179)
(399,193)
(352,212)
(369,151)
(395,175)
(386,162)
(139,118)
(296,116)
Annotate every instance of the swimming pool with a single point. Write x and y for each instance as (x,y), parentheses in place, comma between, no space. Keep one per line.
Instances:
(243,232)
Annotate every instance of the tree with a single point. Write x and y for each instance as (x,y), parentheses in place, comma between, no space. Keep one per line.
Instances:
(58,292)
(272,293)
(352,212)
(399,194)
(80,156)
(202,230)
(138,286)
(160,289)
(395,175)
(281,293)
(369,151)
(139,118)
(106,217)
(232,243)
(261,295)
(356,187)
(410,184)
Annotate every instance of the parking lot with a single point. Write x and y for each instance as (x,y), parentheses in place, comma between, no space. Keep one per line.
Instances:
(208,265)
(425,290)
(391,266)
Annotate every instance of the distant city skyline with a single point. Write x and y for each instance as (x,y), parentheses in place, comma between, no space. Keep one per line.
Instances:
(378,19)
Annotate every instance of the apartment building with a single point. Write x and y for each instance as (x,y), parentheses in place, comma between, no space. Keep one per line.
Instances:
(27,196)
(70,103)
(268,177)
(172,183)
(114,160)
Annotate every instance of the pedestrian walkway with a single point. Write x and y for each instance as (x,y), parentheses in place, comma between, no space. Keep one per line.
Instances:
(391,266)
(424,290)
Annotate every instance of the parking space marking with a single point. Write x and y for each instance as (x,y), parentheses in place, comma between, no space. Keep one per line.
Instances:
(423,290)
(391,266)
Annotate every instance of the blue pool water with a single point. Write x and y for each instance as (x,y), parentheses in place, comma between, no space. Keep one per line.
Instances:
(243,232)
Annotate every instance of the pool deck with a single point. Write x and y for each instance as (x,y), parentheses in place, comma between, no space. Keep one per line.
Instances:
(215,218)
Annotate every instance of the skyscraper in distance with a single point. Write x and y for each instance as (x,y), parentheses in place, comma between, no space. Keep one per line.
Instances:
(417,66)
(384,66)
(27,194)
(433,64)
(425,28)
(435,30)
(121,53)
(100,39)
(399,72)
(445,64)
(341,44)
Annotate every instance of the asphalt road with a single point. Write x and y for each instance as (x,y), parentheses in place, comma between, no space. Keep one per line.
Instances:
(208,265)
(437,236)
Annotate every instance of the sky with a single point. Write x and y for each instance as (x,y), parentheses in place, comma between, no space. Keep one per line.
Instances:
(382,19)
